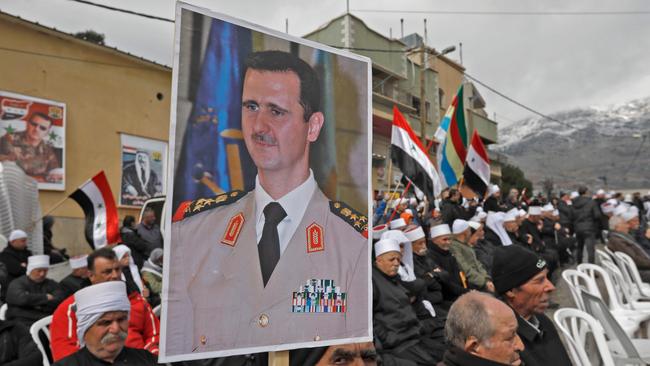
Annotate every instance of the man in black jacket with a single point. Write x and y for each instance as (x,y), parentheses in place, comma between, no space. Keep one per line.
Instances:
(33,296)
(452,278)
(14,256)
(78,279)
(520,278)
(586,223)
(16,346)
(532,227)
(452,209)
(482,331)
(140,250)
(397,331)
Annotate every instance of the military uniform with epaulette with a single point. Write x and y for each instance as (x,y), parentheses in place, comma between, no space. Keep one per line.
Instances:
(216,298)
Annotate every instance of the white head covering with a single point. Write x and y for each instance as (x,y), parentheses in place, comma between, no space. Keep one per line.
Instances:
(547,208)
(396,235)
(94,301)
(495,223)
(493,189)
(621,208)
(510,216)
(414,234)
(79,262)
(37,262)
(17,234)
(120,251)
(413,201)
(474,225)
(459,226)
(629,215)
(556,212)
(600,192)
(397,223)
(574,194)
(409,211)
(534,210)
(385,246)
(628,198)
(378,230)
(405,270)
(522,213)
(439,230)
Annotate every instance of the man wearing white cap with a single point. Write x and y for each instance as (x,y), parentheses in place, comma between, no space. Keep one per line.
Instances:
(453,280)
(493,202)
(395,324)
(33,296)
(532,227)
(14,256)
(78,279)
(144,326)
(477,276)
(102,326)
(397,224)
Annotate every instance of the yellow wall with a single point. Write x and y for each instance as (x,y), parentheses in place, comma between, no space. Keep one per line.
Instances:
(449,80)
(114,93)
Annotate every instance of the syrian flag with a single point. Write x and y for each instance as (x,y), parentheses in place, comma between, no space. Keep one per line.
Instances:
(476,174)
(96,200)
(408,154)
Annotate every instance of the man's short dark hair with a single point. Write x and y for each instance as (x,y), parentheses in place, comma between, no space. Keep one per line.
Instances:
(106,253)
(41,115)
(279,61)
(582,190)
(128,221)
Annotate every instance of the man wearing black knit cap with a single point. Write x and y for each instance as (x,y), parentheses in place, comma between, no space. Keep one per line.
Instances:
(520,278)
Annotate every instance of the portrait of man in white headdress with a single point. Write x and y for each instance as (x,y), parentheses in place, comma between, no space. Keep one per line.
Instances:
(142,169)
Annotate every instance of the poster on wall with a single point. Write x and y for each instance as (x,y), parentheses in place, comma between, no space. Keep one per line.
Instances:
(266,247)
(144,165)
(32,134)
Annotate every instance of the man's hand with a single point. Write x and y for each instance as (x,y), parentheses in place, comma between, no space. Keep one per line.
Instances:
(529,239)
(50,297)
(557,226)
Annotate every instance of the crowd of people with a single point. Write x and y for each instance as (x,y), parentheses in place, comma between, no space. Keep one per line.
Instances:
(462,282)
(467,282)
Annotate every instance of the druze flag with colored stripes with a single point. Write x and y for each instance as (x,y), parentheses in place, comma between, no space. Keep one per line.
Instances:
(408,154)
(476,175)
(453,140)
(97,202)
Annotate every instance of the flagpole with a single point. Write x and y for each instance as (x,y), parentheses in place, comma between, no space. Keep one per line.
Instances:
(408,185)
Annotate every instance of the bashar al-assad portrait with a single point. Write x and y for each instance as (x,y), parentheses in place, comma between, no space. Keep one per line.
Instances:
(267,244)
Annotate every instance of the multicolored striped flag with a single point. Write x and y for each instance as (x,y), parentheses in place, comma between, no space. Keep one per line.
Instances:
(453,140)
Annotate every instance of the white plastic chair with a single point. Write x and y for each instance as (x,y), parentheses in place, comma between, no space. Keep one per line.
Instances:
(602,256)
(616,301)
(41,325)
(578,281)
(629,267)
(624,350)
(629,299)
(3,311)
(575,325)
(157,309)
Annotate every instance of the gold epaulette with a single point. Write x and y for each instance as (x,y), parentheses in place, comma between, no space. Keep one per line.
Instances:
(355,219)
(191,208)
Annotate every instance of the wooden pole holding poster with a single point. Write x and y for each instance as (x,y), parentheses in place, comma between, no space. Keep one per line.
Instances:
(279,358)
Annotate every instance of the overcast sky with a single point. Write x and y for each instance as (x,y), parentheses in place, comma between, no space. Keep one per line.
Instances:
(548,62)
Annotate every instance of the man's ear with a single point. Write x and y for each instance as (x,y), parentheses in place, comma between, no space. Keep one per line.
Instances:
(315,124)
(472,345)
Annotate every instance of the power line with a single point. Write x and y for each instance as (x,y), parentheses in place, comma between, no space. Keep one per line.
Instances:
(123,10)
(516,13)
(33,53)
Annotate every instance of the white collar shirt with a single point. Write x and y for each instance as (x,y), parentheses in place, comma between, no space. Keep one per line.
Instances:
(294,204)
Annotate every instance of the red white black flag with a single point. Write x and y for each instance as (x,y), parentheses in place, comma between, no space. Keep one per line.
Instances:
(409,156)
(97,202)
(476,174)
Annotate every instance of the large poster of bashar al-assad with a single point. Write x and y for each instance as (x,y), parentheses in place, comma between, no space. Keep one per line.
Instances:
(266,240)
(144,163)
(32,134)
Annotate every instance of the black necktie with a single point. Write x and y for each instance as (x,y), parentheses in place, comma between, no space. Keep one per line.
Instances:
(269,246)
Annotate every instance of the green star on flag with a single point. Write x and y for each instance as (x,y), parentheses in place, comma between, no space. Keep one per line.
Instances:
(100,205)
(10,129)
(53,136)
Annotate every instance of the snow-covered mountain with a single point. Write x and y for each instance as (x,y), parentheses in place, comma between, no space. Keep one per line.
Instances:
(588,144)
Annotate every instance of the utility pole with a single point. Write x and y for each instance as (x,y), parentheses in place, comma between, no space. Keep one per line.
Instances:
(423,104)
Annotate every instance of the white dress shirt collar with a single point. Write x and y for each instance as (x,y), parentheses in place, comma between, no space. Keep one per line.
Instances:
(294,204)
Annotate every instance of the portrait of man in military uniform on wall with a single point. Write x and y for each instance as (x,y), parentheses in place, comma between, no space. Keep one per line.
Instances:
(276,255)
(32,135)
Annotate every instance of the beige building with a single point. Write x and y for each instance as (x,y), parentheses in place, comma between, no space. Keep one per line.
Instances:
(106,91)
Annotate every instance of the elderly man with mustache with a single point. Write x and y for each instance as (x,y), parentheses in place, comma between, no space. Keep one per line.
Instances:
(102,325)
(286,264)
